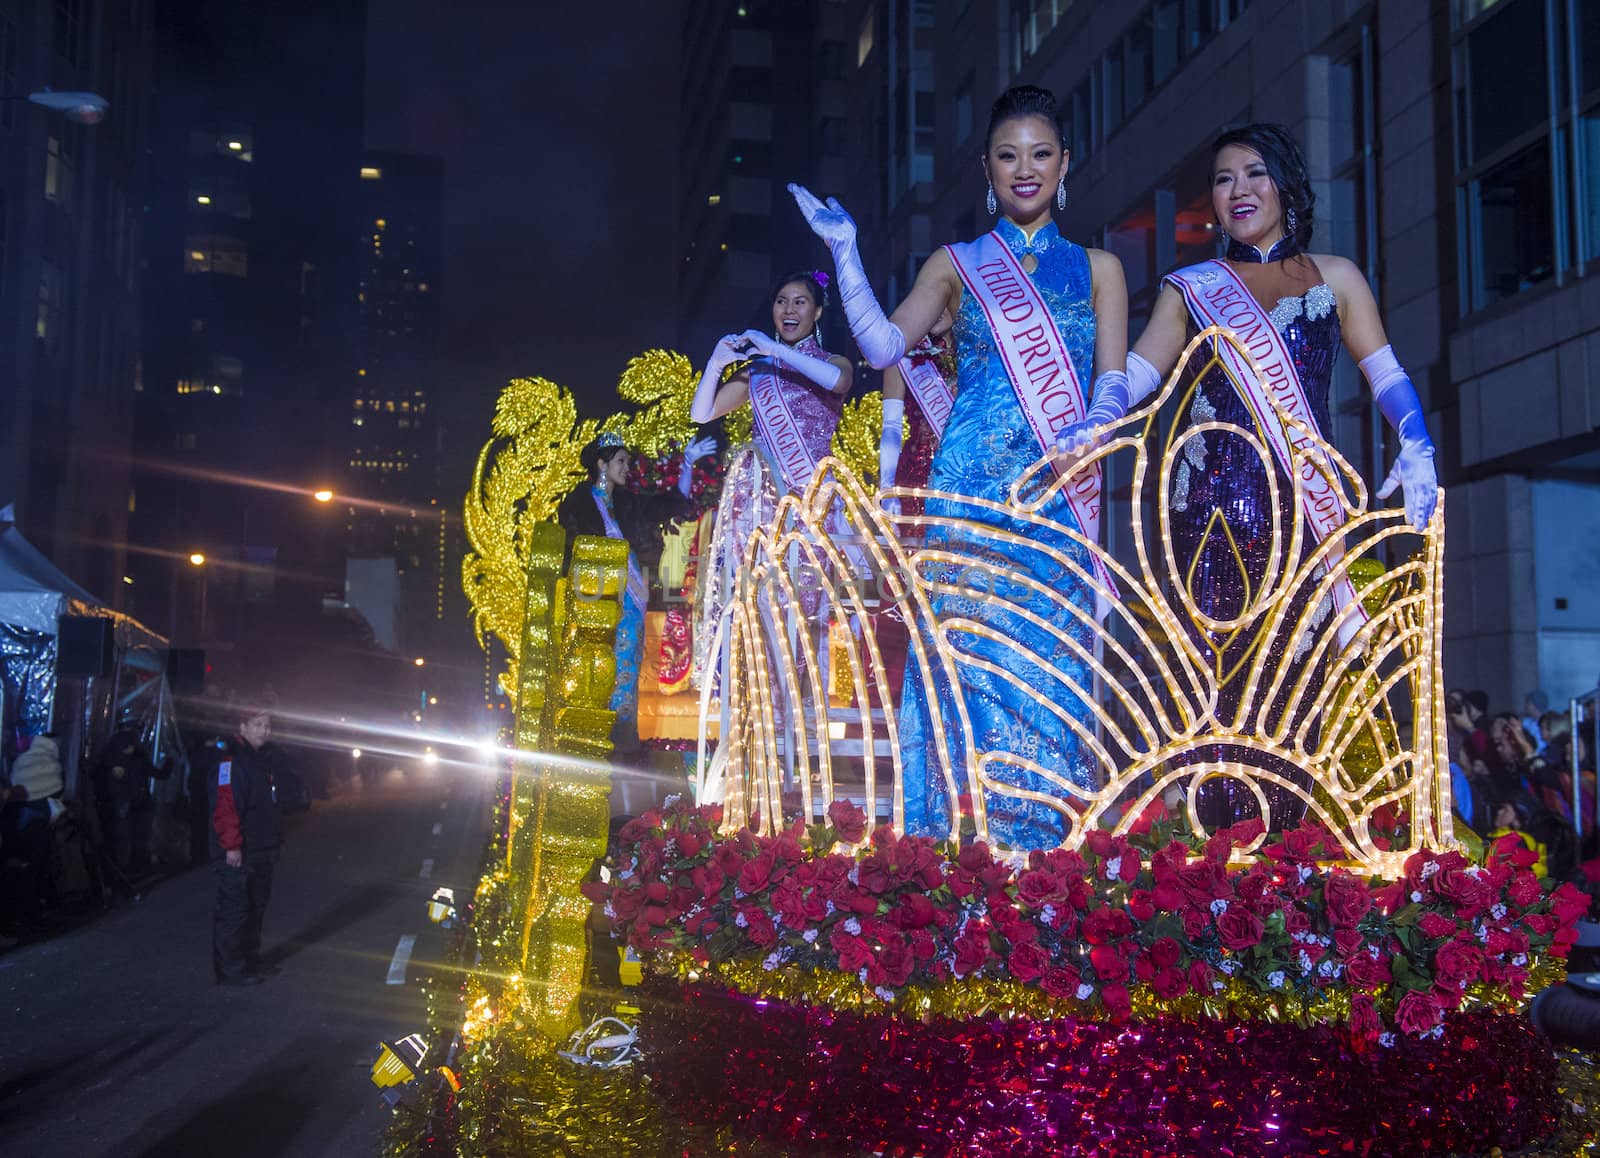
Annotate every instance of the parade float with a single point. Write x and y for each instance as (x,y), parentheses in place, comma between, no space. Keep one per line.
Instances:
(1328,972)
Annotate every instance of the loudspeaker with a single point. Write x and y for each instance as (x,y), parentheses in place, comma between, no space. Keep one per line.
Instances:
(186,671)
(85,646)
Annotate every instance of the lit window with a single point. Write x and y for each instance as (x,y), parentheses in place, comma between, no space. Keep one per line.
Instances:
(236,146)
(381,223)
(714,199)
(202,199)
(369,173)
(361,373)
(422,287)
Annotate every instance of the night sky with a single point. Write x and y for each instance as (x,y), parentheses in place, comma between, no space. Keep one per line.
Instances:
(558,128)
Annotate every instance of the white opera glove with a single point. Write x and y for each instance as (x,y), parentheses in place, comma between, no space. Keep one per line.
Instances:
(1115,393)
(723,354)
(819,370)
(1413,470)
(880,340)
(696,450)
(889,445)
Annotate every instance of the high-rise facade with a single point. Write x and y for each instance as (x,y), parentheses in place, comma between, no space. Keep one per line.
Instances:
(764,101)
(1454,147)
(244,352)
(72,241)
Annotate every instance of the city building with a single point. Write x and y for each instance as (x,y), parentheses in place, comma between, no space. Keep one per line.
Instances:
(244,357)
(72,240)
(402,539)
(1455,152)
(765,101)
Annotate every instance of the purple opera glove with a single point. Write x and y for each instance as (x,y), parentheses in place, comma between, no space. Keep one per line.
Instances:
(819,370)
(696,450)
(1115,393)
(1413,469)
(880,340)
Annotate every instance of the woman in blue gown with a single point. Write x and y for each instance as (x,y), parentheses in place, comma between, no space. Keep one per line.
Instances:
(1016,708)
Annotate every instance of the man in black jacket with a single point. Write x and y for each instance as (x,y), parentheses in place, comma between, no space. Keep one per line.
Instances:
(245,832)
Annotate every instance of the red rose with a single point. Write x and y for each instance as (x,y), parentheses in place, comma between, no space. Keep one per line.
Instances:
(1506,943)
(1013,926)
(1060,981)
(849,822)
(728,858)
(789,904)
(854,953)
(1238,928)
(1140,905)
(1346,942)
(1167,896)
(1539,924)
(972,950)
(1106,924)
(598,892)
(1116,1000)
(1295,920)
(655,891)
(1364,1020)
(1368,972)
(1153,813)
(896,961)
(1027,961)
(923,946)
(1108,962)
(1194,923)
(1524,890)
(755,875)
(1169,984)
(1512,849)
(915,911)
(1436,925)
(1417,1013)
(1347,899)
(1569,903)
(1101,843)
(975,857)
(1456,965)
(1466,891)
(1204,881)
(1037,889)
(1201,977)
(1166,952)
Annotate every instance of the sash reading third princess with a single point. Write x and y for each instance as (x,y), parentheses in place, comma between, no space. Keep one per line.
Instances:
(1035,316)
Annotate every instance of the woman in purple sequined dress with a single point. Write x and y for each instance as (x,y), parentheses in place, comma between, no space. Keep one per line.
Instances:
(1220,502)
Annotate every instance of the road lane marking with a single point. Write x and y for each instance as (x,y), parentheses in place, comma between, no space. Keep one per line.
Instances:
(427,868)
(438,828)
(401,958)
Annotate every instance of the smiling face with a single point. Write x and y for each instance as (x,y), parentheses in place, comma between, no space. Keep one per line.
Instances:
(1024,163)
(614,470)
(795,311)
(1245,198)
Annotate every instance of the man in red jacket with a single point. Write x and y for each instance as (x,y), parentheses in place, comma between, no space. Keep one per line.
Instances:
(244,849)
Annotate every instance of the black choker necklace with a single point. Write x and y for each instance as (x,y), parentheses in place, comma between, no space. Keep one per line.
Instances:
(1239,251)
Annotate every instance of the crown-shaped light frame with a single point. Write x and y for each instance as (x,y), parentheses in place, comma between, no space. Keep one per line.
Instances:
(1359,713)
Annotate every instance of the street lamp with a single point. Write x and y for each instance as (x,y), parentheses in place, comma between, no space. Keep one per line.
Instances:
(85,108)
(323,496)
(419,661)
(197,559)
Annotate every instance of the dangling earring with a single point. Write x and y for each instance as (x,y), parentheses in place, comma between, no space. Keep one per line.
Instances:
(1061,192)
(1290,221)
(991,203)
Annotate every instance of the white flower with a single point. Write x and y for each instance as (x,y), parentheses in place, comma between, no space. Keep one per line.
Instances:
(1330,969)
(1304,961)
(1218,986)
(1520,959)
(1386,1040)
(671,800)
(1229,966)
(1474,871)
(738,892)
(1276,979)
(626,873)
(852,926)
(1416,897)
(1497,911)
(1437,1031)
(669,851)
(1374,952)
(885,994)
(854,875)
(741,920)
(772,960)
(862,975)
(777,919)
(830,911)
(1218,907)
(1429,869)
(611,914)
(1085,991)
(1048,912)
(1305,873)
(809,936)
(1113,867)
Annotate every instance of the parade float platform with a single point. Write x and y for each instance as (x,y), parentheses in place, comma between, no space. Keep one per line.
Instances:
(1326,974)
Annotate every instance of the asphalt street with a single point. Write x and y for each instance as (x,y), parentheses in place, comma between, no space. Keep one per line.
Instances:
(117,1041)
